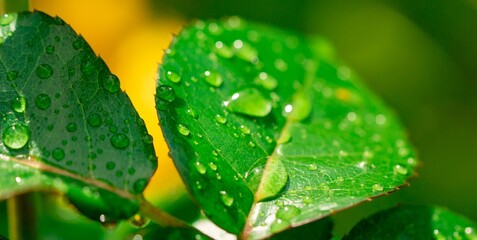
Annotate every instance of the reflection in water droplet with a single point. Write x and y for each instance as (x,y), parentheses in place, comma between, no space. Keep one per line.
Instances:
(16,136)
(19,104)
(58,154)
(42,101)
(249,101)
(166,92)
(173,77)
(182,128)
(227,200)
(213,78)
(44,71)
(119,141)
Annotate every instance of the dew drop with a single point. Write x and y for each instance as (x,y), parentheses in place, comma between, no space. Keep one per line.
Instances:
(244,129)
(251,144)
(71,127)
(50,49)
(166,92)
(7,18)
(246,52)
(213,166)
(279,225)
(398,169)
(110,82)
(119,141)
(110,165)
(312,167)
(249,101)
(377,187)
(78,43)
(94,120)
(266,80)
(12,75)
(287,212)
(226,199)
(281,65)
(42,101)
(19,104)
(213,78)
(58,154)
(173,77)
(161,104)
(44,71)
(16,136)
(192,113)
(223,50)
(182,128)
(200,168)
(139,185)
(220,119)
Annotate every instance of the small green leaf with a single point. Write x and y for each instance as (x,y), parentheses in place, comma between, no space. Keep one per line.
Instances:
(64,123)
(291,133)
(414,222)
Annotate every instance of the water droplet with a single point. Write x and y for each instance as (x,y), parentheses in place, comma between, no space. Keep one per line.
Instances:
(279,225)
(281,65)
(78,43)
(312,167)
(192,113)
(110,82)
(42,101)
(139,221)
(139,185)
(215,153)
(266,80)
(398,169)
(16,136)
(58,154)
(50,49)
(120,141)
(110,165)
(94,120)
(12,75)
(307,199)
(227,200)
(251,144)
(249,101)
(301,108)
(223,50)
(161,104)
(213,78)
(246,52)
(19,104)
(166,92)
(377,187)
(44,71)
(287,212)
(213,166)
(220,119)
(71,127)
(173,77)
(87,67)
(7,18)
(182,128)
(200,168)
(244,129)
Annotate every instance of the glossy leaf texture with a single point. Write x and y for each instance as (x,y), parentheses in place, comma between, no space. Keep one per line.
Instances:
(65,123)
(269,132)
(414,222)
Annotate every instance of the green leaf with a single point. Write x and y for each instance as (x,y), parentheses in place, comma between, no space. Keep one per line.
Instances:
(269,132)
(65,123)
(414,222)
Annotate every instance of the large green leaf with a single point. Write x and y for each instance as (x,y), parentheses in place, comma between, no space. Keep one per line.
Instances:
(66,125)
(414,222)
(269,132)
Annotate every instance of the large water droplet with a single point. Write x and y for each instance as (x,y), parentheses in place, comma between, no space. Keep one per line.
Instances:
(227,200)
(16,136)
(110,82)
(19,104)
(288,212)
(44,71)
(173,77)
(119,141)
(266,80)
(182,128)
(94,120)
(42,101)
(200,168)
(7,18)
(249,101)
(166,92)
(58,154)
(213,78)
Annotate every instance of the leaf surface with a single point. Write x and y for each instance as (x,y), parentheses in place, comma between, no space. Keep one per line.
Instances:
(414,222)
(270,132)
(66,125)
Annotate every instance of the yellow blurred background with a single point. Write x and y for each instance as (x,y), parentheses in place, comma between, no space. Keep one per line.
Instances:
(131,41)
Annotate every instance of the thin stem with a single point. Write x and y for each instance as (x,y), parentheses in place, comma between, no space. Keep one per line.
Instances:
(22,217)
(7,6)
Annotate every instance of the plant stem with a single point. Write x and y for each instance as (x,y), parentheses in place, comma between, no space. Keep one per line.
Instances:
(7,6)
(22,217)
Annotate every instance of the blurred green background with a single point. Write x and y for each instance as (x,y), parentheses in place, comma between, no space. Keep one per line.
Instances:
(419,56)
